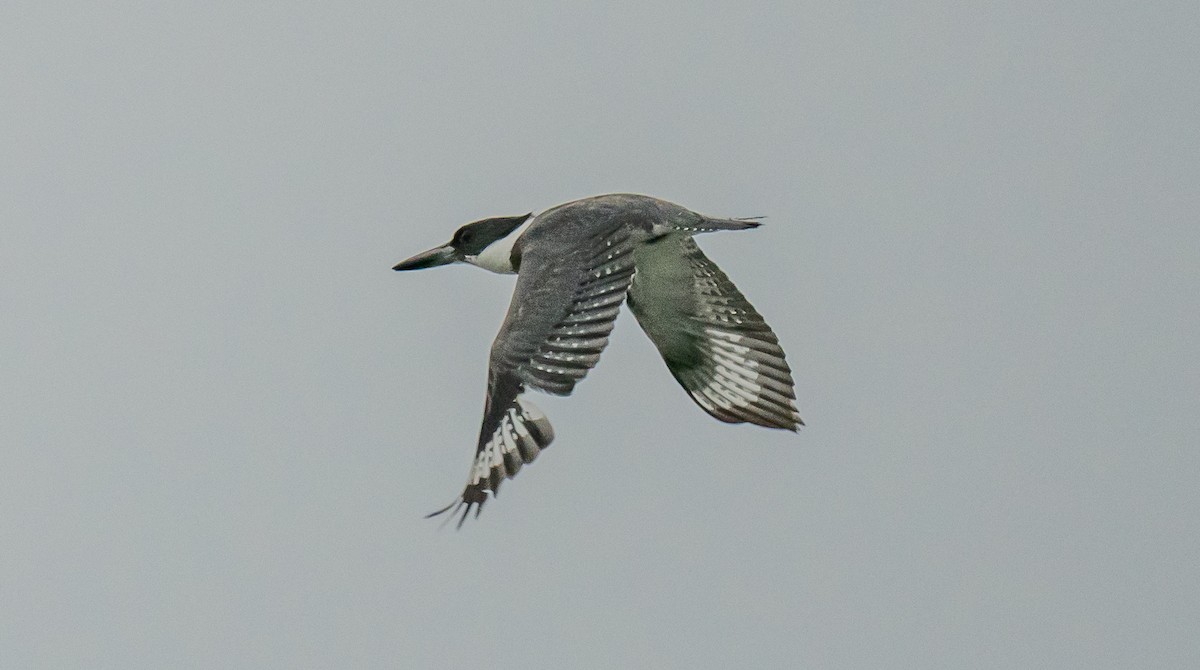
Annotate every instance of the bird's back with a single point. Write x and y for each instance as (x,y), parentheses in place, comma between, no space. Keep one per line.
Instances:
(642,217)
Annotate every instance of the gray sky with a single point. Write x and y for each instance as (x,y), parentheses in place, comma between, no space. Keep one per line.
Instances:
(224,416)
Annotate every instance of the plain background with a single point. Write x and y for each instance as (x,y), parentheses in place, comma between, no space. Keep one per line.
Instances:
(224,416)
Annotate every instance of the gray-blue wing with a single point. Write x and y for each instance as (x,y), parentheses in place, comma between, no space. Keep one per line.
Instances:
(562,311)
(713,340)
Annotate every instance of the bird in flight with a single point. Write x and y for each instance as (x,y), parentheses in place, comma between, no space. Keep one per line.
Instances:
(575,264)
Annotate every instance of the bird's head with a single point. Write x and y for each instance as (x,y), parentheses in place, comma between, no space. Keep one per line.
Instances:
(471,244)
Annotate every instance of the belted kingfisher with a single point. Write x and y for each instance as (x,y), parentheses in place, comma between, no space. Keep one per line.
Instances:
(575,264)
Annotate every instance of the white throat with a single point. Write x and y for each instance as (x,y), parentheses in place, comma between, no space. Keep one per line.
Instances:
(497,257)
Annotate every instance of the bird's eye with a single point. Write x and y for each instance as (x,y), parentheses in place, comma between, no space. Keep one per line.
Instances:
(465,237)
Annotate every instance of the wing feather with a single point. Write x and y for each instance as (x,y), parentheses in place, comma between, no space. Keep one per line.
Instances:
(712,339)
(562,311)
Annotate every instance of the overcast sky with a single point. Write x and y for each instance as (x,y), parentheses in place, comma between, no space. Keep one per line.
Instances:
(224,416)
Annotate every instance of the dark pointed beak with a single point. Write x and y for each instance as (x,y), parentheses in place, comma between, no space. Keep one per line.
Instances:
(429,259)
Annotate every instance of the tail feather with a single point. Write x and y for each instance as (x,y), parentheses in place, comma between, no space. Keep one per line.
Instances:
(742,223)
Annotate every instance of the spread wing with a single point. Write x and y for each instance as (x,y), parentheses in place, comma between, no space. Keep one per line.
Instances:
(558,323)
(713,340)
